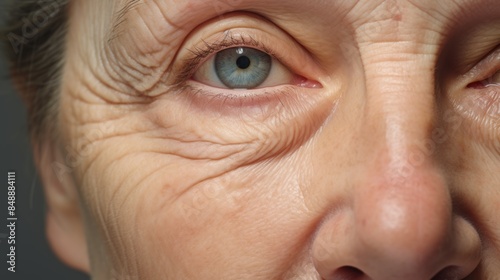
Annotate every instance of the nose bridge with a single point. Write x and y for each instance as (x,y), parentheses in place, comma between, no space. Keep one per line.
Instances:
(400,111)
(399,93)
(400,108)
(402,200)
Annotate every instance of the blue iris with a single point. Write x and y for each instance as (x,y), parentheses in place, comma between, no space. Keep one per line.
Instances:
(242,67)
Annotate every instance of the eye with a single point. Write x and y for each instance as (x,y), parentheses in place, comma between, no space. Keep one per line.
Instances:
(493,80)
(242,68)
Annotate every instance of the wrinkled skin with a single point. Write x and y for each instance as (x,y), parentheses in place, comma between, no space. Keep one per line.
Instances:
(384,165)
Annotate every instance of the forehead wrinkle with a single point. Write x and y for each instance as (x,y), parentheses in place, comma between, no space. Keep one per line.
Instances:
(183,13)
(187,8)
(121,16)
(468,7)
(187,14)
(458,12)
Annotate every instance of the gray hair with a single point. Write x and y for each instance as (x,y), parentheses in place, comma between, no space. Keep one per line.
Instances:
(34,41)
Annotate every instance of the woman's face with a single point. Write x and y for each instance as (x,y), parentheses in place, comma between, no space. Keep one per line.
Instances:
(248,139)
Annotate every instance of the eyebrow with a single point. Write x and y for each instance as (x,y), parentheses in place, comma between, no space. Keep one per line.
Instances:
(120,17)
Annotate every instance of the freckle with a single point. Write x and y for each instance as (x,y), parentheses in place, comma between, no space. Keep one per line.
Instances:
(394,9)
(364,222)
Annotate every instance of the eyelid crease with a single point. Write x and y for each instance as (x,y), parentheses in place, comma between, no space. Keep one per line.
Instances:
(229,40)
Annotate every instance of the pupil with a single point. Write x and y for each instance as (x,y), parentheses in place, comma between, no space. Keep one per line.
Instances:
(243,62)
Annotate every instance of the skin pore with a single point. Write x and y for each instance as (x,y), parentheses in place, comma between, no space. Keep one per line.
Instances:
(366,155)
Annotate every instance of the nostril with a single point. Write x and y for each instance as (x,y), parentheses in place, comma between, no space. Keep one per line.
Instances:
(347,273)
(448,273)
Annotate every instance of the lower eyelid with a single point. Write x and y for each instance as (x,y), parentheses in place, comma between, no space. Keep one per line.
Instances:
(259,103)
(479,114)
(480,106)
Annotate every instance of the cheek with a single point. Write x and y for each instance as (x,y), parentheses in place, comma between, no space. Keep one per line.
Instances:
(252,217)
(175,190)
(168,199)
(478,187)
(474,176)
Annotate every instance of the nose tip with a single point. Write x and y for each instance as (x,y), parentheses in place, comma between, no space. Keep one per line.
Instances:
(397,230)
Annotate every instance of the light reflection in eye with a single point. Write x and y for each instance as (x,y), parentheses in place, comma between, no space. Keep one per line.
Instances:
(243,68)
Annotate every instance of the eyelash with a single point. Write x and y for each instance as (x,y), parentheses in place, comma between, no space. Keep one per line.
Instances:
(200,54)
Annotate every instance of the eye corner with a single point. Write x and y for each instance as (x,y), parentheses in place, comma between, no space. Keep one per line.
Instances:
(304,82)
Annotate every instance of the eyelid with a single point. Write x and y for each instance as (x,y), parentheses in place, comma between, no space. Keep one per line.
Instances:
(486,68)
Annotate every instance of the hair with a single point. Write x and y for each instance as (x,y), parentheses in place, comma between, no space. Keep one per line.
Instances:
(34,40)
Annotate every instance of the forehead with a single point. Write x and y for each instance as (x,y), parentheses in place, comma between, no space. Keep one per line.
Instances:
(319,17)
(361,8)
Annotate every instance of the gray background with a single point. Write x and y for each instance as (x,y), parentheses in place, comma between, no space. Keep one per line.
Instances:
(34,259)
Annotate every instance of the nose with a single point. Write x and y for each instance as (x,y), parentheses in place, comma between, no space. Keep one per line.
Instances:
(395,216)
(397,229)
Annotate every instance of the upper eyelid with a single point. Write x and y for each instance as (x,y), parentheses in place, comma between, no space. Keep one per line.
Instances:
(487,66)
